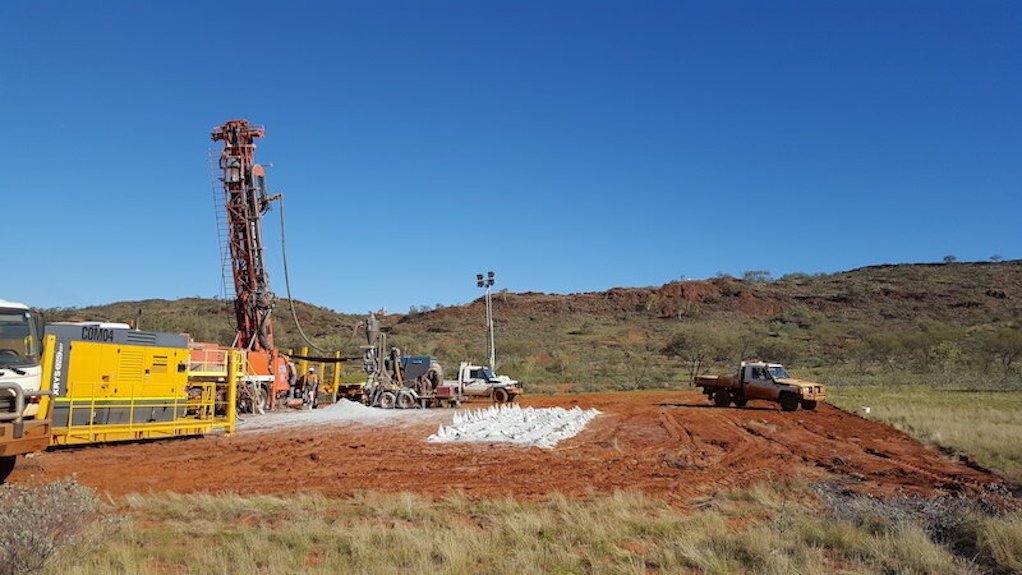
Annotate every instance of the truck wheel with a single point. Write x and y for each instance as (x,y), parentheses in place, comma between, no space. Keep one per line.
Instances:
(808,404)
(721,398)
(7,466)
(405,401)
(789,402)
(500,395)
(740,401)
(387,400)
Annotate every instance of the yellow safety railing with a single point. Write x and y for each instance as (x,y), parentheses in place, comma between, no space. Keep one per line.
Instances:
(330,370)
(208,362)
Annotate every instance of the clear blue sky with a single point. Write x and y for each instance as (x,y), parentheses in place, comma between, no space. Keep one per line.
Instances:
(567,145)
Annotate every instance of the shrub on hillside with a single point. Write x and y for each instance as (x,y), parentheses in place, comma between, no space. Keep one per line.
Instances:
(39,520)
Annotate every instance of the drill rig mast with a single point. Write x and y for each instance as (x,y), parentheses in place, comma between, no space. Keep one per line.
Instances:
(246,200)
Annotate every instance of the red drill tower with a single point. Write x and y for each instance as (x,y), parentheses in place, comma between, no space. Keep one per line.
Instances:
(246,200)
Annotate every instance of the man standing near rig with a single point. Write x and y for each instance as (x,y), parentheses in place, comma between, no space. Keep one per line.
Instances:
(310,388)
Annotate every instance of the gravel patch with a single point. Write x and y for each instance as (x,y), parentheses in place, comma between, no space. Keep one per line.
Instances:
(344,411)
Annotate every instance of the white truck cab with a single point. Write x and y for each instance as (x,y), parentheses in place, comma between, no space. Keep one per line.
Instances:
(20,352)
(480,381)
(22,430)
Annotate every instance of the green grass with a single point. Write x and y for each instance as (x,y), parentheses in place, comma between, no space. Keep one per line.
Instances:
(984,424)
(768,529)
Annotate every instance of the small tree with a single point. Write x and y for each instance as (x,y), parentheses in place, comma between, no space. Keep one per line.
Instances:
(652,303)
(948,355)
(697,348)
(1005,346)
(758,276)
(795,276)
(996,258)
(949,259)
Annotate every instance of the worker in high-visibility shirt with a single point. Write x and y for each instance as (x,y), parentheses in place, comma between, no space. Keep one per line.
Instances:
(310,388)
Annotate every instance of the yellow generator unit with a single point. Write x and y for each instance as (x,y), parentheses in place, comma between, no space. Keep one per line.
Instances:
(113,383)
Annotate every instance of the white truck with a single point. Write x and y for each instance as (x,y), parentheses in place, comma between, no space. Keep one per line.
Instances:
(480,381)
(21,386)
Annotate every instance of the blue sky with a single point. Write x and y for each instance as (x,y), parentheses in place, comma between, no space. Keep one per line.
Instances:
(568,145)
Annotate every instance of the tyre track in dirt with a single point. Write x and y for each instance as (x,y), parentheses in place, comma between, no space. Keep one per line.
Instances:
(670,444)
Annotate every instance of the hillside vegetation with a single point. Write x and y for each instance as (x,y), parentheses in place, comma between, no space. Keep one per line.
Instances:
(956,324)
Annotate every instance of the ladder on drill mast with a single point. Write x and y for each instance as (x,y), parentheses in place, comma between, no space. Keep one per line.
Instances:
(216,183)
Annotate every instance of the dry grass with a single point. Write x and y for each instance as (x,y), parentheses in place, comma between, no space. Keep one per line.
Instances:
(780,529)
(999,538)
(986,425)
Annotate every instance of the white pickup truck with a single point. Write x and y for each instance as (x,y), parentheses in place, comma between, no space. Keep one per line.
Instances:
(480,381)
(23,429)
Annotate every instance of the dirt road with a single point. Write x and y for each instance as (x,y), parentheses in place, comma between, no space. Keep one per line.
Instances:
(668,444)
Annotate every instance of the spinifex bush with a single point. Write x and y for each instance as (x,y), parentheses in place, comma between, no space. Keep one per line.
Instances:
(36,521)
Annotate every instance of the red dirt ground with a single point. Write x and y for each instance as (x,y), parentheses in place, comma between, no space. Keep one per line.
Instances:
(667,444)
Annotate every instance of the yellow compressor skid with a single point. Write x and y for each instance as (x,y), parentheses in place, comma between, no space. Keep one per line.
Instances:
(106,392)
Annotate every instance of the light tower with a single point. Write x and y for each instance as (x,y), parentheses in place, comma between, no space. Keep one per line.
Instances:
(487,282)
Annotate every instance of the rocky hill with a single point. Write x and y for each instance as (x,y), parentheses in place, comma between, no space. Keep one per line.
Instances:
(923,318)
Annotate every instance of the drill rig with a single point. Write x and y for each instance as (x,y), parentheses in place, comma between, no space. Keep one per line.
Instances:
(402,381)
(246,200)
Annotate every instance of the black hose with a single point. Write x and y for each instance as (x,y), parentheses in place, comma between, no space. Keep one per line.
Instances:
(287,282)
